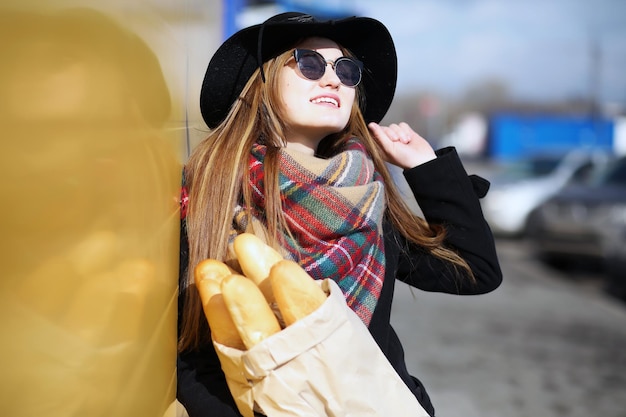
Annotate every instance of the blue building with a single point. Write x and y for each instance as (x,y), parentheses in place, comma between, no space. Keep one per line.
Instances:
(514,136)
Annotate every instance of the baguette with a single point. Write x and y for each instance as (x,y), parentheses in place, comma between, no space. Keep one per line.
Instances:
(256,258)
(249,310)
(297,294)
(208,275)
(211,269)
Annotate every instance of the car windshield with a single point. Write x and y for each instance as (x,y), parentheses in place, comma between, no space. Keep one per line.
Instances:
(534,167)
(616,175)
(613,173)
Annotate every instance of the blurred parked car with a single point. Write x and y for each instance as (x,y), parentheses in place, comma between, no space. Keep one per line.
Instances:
(521,186)
(586,221)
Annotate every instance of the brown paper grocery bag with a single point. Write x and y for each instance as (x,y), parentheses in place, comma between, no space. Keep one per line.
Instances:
(326,364)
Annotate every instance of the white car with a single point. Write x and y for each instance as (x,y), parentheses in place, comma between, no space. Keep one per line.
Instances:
(520,187)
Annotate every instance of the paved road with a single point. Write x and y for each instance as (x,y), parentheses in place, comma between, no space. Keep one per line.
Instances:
(544,344)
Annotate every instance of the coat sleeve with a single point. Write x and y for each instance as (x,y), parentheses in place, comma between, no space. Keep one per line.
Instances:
(447,196)
(201,386)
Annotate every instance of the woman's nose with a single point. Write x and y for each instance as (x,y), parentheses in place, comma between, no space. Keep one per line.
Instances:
(330,76)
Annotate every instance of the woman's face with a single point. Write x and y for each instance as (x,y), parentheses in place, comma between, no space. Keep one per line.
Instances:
(314,109)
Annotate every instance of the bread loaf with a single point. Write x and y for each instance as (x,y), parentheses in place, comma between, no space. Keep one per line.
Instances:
(249,310)
(208,275)
(223,329)
(211,269)
(256,258)
(297,294)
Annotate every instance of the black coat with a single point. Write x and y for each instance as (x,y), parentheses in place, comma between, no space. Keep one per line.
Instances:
(446,195)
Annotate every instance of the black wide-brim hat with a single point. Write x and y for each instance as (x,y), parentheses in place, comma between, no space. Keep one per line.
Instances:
(240,55)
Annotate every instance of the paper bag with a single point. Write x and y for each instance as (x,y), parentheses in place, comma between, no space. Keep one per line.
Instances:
(326,364)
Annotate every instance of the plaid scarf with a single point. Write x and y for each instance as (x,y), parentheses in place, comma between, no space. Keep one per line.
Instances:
(334,209)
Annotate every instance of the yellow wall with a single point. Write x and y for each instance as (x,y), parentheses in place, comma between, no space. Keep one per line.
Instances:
(95,103)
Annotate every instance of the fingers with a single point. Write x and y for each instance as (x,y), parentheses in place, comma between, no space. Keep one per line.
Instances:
(380,133)
(395,132)
(402,132)
(401,145)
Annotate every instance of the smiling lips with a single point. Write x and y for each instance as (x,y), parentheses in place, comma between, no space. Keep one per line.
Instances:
(334,101)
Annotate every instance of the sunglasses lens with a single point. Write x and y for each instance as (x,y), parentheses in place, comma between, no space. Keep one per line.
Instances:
(348,72)
(311,65)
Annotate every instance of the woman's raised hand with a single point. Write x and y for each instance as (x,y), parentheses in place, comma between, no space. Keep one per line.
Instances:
(402,145)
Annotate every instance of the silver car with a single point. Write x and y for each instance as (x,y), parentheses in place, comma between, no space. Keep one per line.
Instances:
(520,187)
(586,221)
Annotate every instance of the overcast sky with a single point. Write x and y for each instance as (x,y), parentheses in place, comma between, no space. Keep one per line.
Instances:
(540,48)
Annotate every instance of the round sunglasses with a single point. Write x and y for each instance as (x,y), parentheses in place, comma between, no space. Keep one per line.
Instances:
(312,65)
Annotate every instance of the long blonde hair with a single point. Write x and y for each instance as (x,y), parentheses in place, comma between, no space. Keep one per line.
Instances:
(216,176)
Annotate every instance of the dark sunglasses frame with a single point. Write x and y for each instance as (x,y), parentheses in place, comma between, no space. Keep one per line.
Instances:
(299,53)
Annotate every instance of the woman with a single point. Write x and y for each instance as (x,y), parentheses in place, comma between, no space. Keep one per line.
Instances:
(297,152)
